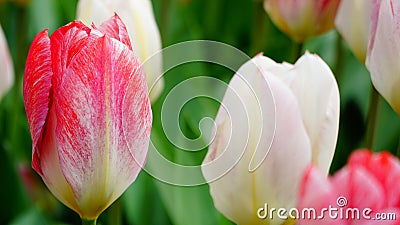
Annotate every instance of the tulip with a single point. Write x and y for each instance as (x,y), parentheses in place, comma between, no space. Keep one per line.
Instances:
(384,51)
(353,23)
(88,110)
(368,181)
(7,70)
(142,28)
(281,115)
(302,19)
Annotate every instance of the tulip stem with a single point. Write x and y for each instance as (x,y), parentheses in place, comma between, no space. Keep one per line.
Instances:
(88,222)
(398,149)
(297,50)
(372,118)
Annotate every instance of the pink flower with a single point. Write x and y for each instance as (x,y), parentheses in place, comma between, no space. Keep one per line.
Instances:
(369,182)
(301,19)
(89,113)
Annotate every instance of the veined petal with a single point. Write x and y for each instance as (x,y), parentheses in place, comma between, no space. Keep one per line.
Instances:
(7,71)
(50,165)
(115,28)
(317,93)
(37,85)
(91,132)
(66,42)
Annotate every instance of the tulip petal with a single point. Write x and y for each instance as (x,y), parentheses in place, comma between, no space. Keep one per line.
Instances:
(7,71)
(66,43)
(93,147)
(353,23)
(314,85)
(37,85)
(383,54)
(115,28)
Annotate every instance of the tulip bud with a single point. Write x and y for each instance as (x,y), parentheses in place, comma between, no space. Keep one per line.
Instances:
(368,182)
(384,51)
(88,110)
(293,124)
(353,23)
(7,70)
(302,19)
(139,19)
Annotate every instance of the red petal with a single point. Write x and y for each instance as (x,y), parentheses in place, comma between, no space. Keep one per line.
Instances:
(66,43)
(115,28)
(37,85)
(104,80)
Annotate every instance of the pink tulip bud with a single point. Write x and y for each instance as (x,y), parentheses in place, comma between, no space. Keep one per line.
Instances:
(88,110)
(7,70)
(365,188)
(302,19)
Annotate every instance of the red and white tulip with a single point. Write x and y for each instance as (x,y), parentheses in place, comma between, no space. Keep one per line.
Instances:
(88,110)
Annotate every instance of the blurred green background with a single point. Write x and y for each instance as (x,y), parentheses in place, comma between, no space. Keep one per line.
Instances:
(240,23)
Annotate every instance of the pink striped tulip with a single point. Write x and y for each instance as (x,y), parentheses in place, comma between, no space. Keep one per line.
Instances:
(368,181)
(384,50)
(302,19)
(7,70)
(88,109)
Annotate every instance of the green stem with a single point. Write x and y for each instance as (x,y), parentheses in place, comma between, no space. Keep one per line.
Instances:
(259,28)
(398,149)
(115,213)
(339,59)
(88,222)
(372,118)
(297,50)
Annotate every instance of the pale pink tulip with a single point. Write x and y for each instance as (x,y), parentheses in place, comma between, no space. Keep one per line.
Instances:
(274,120)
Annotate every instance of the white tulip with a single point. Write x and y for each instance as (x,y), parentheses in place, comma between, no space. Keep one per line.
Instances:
(282,116)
